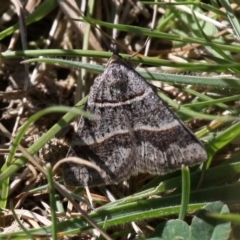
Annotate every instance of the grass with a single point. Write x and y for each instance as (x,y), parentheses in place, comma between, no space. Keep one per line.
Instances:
(192,55)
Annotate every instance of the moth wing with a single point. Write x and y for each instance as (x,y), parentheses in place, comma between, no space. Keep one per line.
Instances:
(164,143)
(103,140)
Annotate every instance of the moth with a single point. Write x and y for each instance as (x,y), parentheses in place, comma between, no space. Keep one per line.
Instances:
(133,131)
